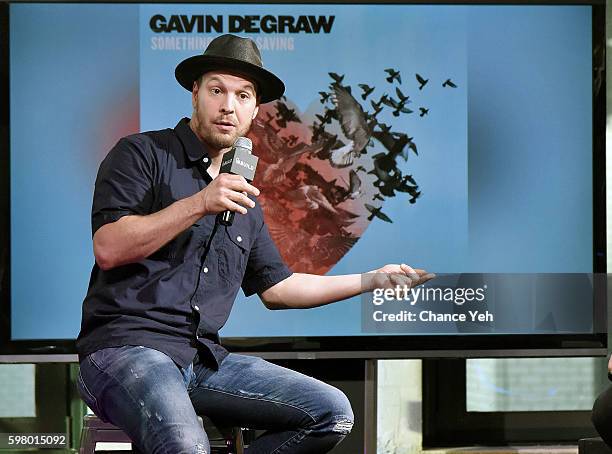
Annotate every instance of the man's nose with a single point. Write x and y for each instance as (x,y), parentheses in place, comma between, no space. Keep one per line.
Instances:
(228,104)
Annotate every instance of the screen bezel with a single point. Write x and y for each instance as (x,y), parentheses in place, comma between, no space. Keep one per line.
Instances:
(358,346)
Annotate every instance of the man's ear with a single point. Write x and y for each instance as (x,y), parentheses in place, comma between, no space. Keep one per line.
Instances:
(255,112)
(194,94)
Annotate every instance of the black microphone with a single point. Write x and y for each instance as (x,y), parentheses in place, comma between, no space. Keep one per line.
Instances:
(238,161)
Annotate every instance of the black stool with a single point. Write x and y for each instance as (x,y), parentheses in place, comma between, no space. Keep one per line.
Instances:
(222,439)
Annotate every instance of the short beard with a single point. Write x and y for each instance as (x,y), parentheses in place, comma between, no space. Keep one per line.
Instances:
(217,140)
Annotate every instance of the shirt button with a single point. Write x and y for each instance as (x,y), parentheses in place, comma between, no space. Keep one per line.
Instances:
(205,269)
(205,160)
(196,308)
(239,238)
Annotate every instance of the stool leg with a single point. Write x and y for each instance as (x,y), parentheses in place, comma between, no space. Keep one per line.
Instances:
(239,440)
(88,441)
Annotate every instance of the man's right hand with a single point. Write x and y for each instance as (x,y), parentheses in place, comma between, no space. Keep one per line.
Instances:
(226,192)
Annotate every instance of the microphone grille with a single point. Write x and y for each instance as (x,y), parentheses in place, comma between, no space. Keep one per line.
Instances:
(244,142)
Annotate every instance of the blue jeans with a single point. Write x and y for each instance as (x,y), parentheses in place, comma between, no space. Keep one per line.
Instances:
(156,402)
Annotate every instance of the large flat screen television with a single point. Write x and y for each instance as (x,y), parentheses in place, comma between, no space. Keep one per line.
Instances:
(481,159)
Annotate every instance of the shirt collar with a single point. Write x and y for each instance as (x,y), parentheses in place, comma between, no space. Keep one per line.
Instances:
(193,147)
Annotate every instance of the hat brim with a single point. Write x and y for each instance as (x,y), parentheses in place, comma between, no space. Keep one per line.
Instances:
(270,87)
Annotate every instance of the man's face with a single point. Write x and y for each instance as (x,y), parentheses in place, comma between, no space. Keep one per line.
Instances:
(224,105)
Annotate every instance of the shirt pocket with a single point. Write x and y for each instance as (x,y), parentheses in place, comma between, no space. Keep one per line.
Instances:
(233,253)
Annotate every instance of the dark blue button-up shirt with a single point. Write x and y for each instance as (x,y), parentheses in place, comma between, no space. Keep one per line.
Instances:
(178,298)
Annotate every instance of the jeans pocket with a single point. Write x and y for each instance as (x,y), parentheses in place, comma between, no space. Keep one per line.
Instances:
(88,397)
(103,357)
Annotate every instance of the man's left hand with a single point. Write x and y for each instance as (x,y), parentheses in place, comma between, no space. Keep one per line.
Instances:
(392,275)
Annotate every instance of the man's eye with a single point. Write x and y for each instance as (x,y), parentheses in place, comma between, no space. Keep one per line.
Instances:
(245,95)
(215,91)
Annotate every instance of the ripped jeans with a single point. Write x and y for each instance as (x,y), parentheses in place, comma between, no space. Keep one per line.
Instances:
(156,402)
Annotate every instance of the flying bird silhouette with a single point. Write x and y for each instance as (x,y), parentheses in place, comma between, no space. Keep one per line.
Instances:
(354,186)
(393,75)
(366,90)
(411,144)
(327,142)
(397,106)
(269,119)
(324,96)
(376,211)
(292,140)
(424,111)
(317,130)
(395,143)
(421,80)
(337,78)
(384,127)
(326,118)
(384,169)
(285,115)
(449,83)
(377,108)
(335,245)
(389,101)
(310,197)
(400,95)
(276,172)
(352,120)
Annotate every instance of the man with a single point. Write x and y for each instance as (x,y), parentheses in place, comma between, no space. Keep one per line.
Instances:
(166,276)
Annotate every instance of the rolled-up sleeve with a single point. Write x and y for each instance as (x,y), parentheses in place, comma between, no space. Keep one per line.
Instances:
(265,266)
(124,183)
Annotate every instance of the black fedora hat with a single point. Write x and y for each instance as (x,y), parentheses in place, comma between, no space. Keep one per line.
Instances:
(233,53)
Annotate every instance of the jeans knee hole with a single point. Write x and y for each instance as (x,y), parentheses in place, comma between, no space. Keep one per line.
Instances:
(343,426)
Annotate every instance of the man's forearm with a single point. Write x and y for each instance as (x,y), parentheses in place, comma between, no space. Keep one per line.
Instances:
(300,290)
(132,238)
